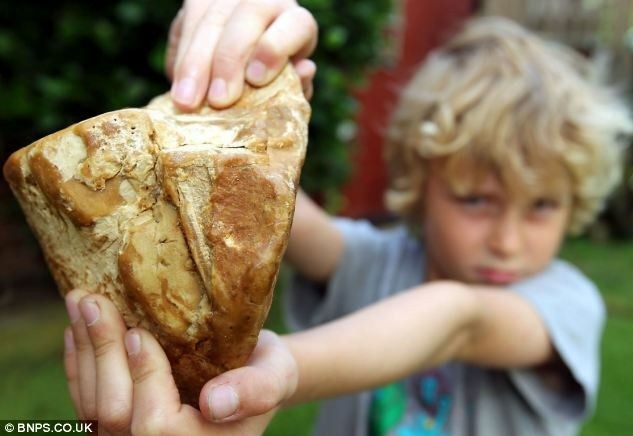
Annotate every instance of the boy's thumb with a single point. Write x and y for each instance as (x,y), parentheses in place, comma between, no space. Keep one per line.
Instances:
(269,378)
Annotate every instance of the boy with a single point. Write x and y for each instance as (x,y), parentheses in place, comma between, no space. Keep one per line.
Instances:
(460,322)
(498,148)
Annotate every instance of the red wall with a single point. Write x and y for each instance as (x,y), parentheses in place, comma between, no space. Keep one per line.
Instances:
(426,24)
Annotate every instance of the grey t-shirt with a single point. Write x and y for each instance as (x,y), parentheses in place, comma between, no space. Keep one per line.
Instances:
(485,402)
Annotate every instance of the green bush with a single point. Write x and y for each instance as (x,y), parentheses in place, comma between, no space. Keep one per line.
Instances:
(64,61)
(351,35)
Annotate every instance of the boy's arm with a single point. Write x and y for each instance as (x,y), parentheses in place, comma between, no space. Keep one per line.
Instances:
(509,332)
(414,330)
(315,246)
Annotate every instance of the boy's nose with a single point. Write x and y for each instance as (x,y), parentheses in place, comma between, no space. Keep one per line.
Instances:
(506,235)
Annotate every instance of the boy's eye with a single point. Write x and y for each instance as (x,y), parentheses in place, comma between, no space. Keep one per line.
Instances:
(545,204)
(473,200)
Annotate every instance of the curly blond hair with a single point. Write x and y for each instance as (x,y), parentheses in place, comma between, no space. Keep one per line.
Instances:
(508,101)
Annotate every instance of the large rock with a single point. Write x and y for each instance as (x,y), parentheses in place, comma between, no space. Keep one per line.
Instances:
(180,219)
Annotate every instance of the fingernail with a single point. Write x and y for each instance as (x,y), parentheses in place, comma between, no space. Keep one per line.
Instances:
(73,310)
(89,311)
(256,72)
(218,91)
(132,343)
(184,91)
(69,340)
(223,402)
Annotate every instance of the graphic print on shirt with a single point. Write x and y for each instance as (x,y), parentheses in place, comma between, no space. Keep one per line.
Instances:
(417,406)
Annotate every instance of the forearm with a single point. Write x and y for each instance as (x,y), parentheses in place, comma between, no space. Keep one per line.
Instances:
(315,245)
(386,341)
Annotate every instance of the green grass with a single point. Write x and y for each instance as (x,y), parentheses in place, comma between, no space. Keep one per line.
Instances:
(33,384)
(615,403)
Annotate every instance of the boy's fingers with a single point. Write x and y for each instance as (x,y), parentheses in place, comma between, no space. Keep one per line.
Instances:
(211,42)
(240,35)
(113,381)
(192,11)
(275,47)
(86,365)
(269,378)
(70,369)
(155,393)
(196,49)
(306,69)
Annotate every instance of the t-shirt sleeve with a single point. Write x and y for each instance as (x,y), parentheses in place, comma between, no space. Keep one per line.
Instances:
(574,314)
(307,303)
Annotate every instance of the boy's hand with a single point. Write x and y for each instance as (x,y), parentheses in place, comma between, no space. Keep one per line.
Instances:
(214,45)
(122,378)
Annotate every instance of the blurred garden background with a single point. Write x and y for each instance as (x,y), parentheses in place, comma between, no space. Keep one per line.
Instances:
(64,61)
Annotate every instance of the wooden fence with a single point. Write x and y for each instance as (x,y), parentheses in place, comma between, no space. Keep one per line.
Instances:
(599,28)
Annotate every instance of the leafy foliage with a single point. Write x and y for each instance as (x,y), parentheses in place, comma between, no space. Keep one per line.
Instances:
(62,61)
(351,35)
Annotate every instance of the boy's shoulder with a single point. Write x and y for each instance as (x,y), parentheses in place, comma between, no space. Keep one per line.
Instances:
(561,280)
(563,294)
(574,313)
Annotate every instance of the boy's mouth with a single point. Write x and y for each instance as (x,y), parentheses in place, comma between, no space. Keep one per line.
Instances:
(497,276)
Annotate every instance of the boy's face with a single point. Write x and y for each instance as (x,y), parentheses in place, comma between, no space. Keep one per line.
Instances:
(485,236)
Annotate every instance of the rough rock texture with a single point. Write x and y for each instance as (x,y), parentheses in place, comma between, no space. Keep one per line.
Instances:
(180,219)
